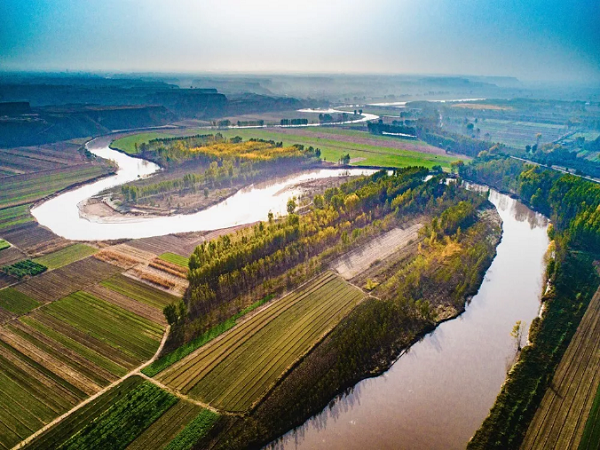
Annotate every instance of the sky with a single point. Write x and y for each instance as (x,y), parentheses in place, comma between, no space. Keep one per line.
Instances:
(529,39)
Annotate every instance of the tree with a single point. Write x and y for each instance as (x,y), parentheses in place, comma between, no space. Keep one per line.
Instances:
(270,217)
(318,153)
(170,312)
(291,205)
(455,166)
(318,201)
(517,335)
(345,159)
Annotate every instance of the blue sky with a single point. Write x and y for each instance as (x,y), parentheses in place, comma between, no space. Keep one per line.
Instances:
(530,39)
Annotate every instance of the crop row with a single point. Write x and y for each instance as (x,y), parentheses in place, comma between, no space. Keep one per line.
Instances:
(66,256)
(139,291)
(239,369)
(561,417)
(16,302)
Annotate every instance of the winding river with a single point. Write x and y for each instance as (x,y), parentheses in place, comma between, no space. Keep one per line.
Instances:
(62,215)
(439,392)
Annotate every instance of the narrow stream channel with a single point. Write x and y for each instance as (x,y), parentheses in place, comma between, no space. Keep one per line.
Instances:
(439,392)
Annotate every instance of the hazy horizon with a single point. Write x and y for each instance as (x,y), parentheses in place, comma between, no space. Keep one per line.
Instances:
(545,41)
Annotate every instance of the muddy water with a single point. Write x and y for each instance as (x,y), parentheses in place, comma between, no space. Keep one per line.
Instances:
(438,393)
(62,215)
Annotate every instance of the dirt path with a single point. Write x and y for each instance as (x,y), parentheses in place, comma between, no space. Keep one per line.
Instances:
(560,420)
(136,371)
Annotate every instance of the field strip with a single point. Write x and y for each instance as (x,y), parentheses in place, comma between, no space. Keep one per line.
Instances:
(135,371)
(560,420)
(360,259)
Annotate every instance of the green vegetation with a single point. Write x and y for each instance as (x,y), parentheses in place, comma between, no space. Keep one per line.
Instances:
(16,215)
(167,427)
(239,369)
(24,268)
(139,291)
(119,425)
(16,302)
(194,431)
(175,259)
(181,352)
(570,202)
(131,334)
(56,436)
(66,256)
(131,144)
(4,244)
(591,434)
(16,191)
(332,149)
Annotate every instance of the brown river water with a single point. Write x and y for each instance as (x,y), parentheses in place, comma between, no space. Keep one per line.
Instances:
(439,392)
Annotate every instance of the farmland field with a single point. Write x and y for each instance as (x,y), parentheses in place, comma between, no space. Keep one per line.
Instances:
(175,259)
(4,245)
(127,144)
(169,425)
(58,434)
(512,133)
(34,239)
(376,150)
(194,431)
(26,268)
(16,302)
(240,368)
(17,215)
(10,256)
(23,189)
(591,434)
(139,291)
(58,283)
(560,420)
(66,256)
(126,419)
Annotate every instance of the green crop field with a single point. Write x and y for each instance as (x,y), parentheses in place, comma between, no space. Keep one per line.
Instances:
(118,426)
(16,302)
(16,191)
(139,291)
(129,333)
(66,256)
(175,259)
(17,215)
(4,244)
(194,431)
(72,424)
(127,144)
(171,424)
(374,155)
(591,434)
(240,368)
(24,269)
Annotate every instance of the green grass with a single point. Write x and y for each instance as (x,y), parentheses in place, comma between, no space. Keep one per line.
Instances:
(127,144)
(119,425)
(4,244)
(139,291)
(58,434)
(332,149)
(121,329)
(24,268)
(241,368)
(181,352)
(16,302)
(194,431)
(591,434)
(17,215)
(66,256)
(175,259)
(169,426)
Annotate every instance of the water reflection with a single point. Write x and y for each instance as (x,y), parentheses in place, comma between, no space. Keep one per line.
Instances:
(437,394)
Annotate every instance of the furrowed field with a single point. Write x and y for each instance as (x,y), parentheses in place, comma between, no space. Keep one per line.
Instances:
(135,414)
(175,259)
(239,369)
(66,256)
(561,418)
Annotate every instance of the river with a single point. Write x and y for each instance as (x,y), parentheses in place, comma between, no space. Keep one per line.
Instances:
(61,213)
(439,392)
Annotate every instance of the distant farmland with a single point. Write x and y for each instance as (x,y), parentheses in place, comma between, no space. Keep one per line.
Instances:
(236,371)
